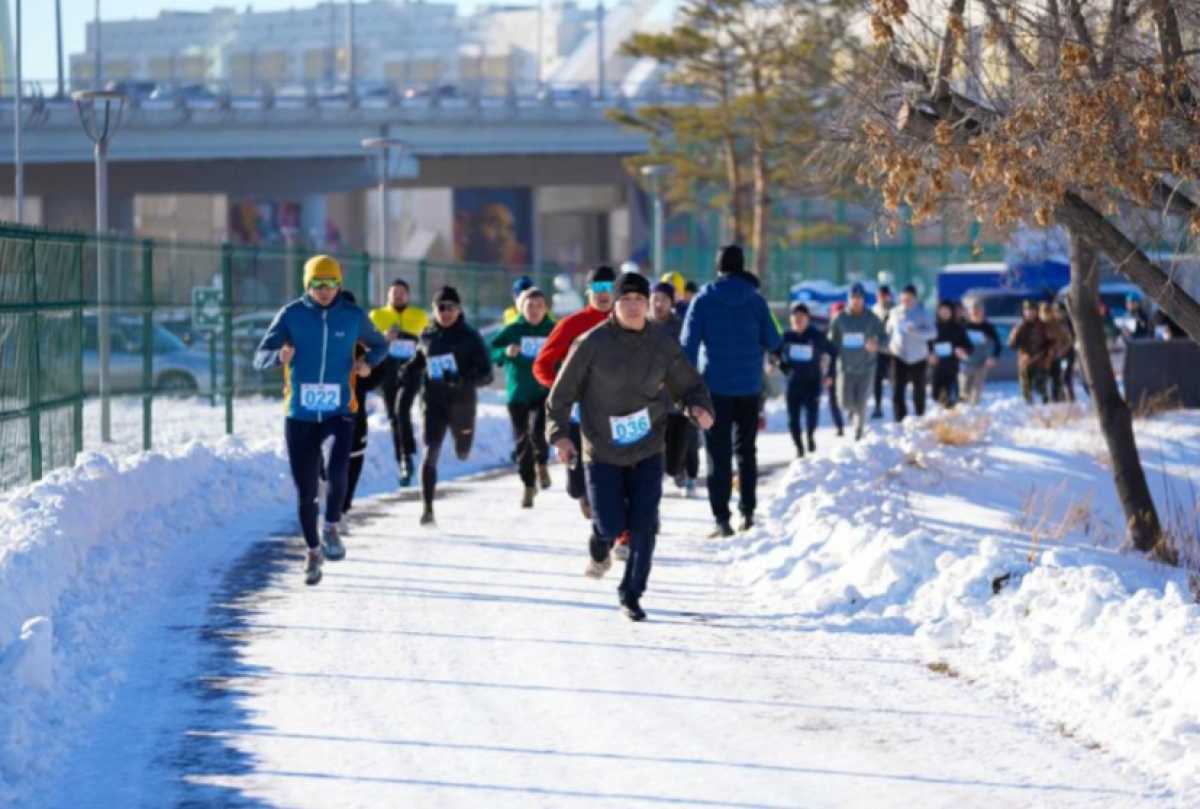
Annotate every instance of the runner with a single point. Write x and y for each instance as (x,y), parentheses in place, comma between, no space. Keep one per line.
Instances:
(1135,325)
(314,338)
(554,353)
(1059,336)
(731,321)
(909,330)
(450,363)
(946,349)
(511,314)
(883,308)
(835,410)
(987,347)
(800,358)
(514,348)
(1032,344)
(619,372)
(856,335)
(402,324)
(681,433)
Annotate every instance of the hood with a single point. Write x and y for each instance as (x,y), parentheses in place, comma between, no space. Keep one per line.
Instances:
(732,290)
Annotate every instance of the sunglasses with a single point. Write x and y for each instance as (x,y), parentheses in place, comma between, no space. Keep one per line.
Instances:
(447,307)
(602,286)
(322,283)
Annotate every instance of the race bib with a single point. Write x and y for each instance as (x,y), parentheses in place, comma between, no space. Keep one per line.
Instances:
(942,349)
(853,339)
(442,365)
(1162,333)
(530,346)
(800,352)
(575,413)
(1129,324)
(402,349)
(321,398)
(630,429)
(977,338)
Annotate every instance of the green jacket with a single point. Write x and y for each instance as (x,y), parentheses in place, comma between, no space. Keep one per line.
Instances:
(521,387)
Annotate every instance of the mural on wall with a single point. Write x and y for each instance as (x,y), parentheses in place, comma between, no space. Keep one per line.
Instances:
(493,225)
(278,222)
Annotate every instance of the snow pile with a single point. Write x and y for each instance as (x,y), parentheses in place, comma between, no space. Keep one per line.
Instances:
(1004,558)
(87,554)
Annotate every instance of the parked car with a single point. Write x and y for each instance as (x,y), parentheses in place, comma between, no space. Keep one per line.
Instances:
(177,368)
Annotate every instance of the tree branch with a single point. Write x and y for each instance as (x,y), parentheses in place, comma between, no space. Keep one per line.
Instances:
(945,62)
(1010,44)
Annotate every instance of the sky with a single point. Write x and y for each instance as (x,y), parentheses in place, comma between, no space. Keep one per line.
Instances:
(38,60)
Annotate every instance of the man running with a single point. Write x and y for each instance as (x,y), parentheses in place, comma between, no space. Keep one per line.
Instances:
(733,324)
(402,324)
(909,330)
(450,363)
(511,314)
(1033,347)
(515,348)
(314,339)
(681,433)
(554,353)
(800,358)
(987,347)
(883,369)
(949,346)
(619,372)
(856,335)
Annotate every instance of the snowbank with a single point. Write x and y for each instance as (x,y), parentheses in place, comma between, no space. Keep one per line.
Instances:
(89,551)
(1004,558)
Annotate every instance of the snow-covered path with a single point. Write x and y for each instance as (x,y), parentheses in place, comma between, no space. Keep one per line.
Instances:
(474,666)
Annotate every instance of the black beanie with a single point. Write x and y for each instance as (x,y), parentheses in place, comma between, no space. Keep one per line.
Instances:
(447,294)
(731,259)
(633,282)
(666,289)
(602,273)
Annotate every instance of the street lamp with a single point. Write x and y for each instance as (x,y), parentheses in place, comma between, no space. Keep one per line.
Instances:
(654,174)
(383,146)
(100,112)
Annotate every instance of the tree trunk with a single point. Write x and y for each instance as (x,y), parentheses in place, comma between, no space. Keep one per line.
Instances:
(762,212)
(733,175)
(1116,422)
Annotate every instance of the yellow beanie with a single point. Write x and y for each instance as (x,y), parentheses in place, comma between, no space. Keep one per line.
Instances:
(676,280)
(324,268)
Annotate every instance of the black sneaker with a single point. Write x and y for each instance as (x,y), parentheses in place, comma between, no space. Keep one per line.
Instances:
(747,522)
(427,516)
(633,610)
(723,530)
(812,445)
(841,432)
(878,414)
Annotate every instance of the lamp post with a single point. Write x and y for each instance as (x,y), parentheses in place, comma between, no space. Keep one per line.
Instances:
(383,147)
(100,112)
(18,157)
(654,174)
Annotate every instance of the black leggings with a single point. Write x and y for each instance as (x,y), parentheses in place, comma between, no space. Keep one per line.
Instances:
(683,450)
(904,374)
(456,415)
(945,377)
(529,437)
(304,440)
(804,399)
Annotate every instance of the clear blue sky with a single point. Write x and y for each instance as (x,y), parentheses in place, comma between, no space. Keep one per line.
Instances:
(38,21)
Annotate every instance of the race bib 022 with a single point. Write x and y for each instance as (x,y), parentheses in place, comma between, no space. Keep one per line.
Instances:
(800,352)
(442,366)
(630,429)
(321,398)
(530,346)
(853,339)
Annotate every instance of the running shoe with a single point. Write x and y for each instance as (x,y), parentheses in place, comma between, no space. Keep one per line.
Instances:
(312,566)
(596,570)
(632,609)
(427,516)
(747,522)
(334,549)
(690,489)
(621,547)
(723,530)
(527,498)
(585,508)
(543,473)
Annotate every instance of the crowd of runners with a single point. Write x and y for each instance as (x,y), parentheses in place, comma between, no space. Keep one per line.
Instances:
(625,389)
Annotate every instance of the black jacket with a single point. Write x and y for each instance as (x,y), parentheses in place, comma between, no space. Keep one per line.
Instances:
(985,342)
(802,372)
(449,363)
(949,332)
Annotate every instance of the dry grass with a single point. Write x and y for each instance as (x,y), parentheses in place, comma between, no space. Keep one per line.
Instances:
(941,667)
(1056,416)
(1047,515)
(955,430)
(1179,544)
(1147,407)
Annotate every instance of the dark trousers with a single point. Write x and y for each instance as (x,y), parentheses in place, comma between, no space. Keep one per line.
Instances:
(1033,380)
(1068,378)
(835,410)
(903,375)
(803,399)
(945,383)
(734,432)
(576,480)
(304,440)
(529,437)
(399,400)
(1058,391)
(626,498)
(456,415)
(883,368)
(682,437)
(358,455)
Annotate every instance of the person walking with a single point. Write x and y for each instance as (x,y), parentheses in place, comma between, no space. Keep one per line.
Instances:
(450,363)
(856,335)
(730,320)
(314,339)
(884,304)
(514,349)
(1059,337)
(909,330)
(986,347)
(627,374)
(1033,346)
(402,324)
(800,358)
(947,349)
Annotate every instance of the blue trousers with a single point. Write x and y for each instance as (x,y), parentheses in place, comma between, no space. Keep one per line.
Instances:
(304,440)
(626,498)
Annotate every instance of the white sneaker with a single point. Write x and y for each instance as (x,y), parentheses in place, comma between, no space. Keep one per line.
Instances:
(596,570)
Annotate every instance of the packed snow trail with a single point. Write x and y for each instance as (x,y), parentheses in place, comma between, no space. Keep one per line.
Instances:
(473,665)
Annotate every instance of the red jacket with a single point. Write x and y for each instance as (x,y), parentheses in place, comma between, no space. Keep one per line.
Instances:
(558,344)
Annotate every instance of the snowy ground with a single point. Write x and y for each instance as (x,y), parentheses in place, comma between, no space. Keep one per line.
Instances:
(185,664)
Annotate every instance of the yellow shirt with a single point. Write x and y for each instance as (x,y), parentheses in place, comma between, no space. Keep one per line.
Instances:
(510,315)
(411,320)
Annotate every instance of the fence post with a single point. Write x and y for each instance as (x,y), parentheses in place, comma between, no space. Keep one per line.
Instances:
(147,343)
(227,328)
(78,415)
(476,271)
(35,392)
(423,283)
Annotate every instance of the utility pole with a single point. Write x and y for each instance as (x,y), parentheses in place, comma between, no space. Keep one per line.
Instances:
(18,158)
(58,37)
(600,78)
(97,69)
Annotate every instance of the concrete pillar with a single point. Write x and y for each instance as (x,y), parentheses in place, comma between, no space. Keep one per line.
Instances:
(312,220)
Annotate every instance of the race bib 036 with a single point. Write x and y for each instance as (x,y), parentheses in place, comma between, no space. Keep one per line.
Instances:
(530,346)
(800,352)
(630,429)
(321,398)
(402,349)
(942,349)
(853,339)
(442,365)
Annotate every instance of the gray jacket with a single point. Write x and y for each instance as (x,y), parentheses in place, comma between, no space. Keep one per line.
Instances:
(909,332)
(849,334)
(615,374)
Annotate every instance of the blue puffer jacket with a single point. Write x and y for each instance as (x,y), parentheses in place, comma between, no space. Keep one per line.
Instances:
(733,324)
(324,338)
